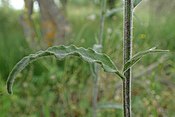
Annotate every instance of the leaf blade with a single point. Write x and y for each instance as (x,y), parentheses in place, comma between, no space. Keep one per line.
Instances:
(136,2)
(61,52)
(138,57)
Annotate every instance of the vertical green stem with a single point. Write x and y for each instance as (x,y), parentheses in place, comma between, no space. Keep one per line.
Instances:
(128,22)
(102,19)
(95,88)
(95,67)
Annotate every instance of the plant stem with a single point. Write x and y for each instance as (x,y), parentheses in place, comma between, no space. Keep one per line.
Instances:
(95,88)
(98,48)
(128,22)
(102,19)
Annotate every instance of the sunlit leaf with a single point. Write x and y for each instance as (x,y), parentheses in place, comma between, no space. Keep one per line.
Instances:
(60,52)
(139,55)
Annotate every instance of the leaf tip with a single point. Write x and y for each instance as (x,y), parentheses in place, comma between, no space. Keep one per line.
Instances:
(9,85)
(9,89)
(153,48)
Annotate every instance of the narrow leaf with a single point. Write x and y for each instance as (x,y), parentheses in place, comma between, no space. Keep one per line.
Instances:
(110,106)
(61,52)
(139,55)
(136,2)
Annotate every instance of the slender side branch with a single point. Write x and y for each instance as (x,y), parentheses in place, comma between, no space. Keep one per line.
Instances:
(102,19)
(95,66)
(128,22)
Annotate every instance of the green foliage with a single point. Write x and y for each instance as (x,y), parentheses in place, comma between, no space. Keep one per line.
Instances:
(11,39)
(139,55)
(63,88)
(61,52)
(136,2)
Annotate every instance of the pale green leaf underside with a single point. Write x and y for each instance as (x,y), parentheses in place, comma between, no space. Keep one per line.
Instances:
(136,2)
(60,52)
(138,56)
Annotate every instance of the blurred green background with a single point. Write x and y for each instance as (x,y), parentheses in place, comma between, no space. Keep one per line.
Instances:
(51,88)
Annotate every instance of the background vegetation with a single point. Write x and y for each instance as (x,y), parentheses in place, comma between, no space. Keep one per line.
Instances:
(64,88)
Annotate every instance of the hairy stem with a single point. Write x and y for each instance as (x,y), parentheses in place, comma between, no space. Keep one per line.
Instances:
(128,22)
